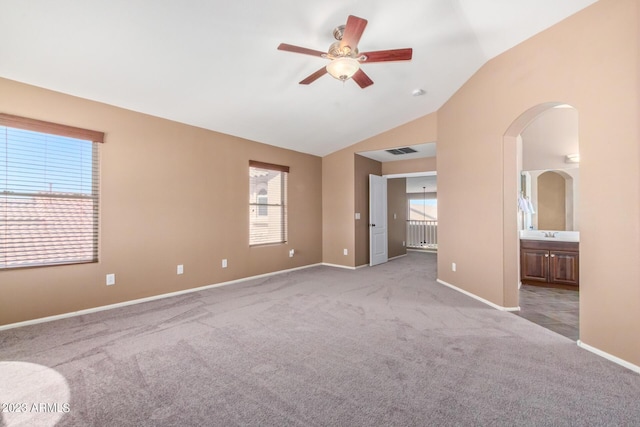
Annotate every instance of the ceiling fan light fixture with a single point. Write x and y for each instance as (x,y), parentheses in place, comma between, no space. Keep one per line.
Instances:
(343,68)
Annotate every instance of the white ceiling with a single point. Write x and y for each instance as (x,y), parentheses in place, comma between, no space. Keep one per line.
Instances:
(214,63)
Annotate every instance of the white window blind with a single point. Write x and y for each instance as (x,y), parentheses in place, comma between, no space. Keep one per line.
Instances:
(49,193)
(267,203)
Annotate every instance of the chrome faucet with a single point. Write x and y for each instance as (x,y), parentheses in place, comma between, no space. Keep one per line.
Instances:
(550,233)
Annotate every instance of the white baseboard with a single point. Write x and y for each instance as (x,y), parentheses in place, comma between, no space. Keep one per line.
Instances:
(341,266)
(611,357)
(146,299)
(474,296)
(368,265)
(621,362)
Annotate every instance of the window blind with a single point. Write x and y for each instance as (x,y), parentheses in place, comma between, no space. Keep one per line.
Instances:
(49,193)
(267,203)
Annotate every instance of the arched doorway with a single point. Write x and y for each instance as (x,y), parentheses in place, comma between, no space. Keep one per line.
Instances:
(551,213)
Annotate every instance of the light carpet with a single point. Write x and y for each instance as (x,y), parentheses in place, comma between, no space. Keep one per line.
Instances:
(378,346)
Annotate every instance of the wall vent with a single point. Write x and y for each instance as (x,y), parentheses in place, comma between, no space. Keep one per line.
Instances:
(398,151)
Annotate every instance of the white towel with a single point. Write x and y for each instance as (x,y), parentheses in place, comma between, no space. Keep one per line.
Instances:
(530,207)
(523,205)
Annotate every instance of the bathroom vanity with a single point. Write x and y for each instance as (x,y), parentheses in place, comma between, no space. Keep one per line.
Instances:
(550,258)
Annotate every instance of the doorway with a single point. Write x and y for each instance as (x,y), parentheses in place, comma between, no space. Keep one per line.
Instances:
(413,161)
(422,212)
(541,147)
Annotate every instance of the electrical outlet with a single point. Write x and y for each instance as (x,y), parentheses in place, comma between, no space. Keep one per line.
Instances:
(291,252)
(111,279)
(180,269)
(453,266)
(224,263)
(357,215)
(346,252)
(403,243)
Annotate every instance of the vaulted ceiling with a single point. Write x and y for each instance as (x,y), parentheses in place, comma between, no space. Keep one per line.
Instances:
(215,64)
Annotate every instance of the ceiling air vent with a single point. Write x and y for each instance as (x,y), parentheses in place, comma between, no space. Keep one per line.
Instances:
(398,151)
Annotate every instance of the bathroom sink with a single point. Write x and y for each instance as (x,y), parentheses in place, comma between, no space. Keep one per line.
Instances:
(559,236)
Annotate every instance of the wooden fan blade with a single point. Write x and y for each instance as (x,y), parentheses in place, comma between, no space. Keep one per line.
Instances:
(362,79)
(315,76)
(298,49)
(387,55)
(352,32)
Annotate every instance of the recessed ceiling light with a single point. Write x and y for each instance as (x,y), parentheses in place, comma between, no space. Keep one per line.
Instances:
(418,92)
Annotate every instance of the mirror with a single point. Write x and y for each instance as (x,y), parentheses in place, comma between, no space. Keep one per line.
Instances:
(554,195)
(550,172)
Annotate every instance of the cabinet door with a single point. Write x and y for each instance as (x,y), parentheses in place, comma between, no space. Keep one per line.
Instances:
(564,267)
(534,265)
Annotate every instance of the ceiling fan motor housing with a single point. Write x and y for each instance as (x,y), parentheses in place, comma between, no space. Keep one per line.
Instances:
(335,51)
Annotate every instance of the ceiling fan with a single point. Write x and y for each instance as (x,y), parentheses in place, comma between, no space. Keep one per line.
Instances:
(345,57)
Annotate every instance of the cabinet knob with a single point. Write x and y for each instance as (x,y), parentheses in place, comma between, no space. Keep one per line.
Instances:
(546,255)
(553,255)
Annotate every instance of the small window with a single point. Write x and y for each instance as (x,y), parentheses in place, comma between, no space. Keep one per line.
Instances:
(267,203)
(48,193)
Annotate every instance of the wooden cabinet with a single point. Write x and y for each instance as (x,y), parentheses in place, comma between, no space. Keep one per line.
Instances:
(545,262)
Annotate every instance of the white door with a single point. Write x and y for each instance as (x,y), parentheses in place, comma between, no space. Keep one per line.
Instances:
(377,220)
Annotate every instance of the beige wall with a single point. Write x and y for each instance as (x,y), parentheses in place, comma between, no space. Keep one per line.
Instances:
(589,61)
(425,164)
(171,194)
(397,216)
(363,167)
(338,209)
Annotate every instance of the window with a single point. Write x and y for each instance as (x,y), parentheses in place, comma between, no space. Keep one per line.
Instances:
(423,209)
(267,203)
(48,193)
